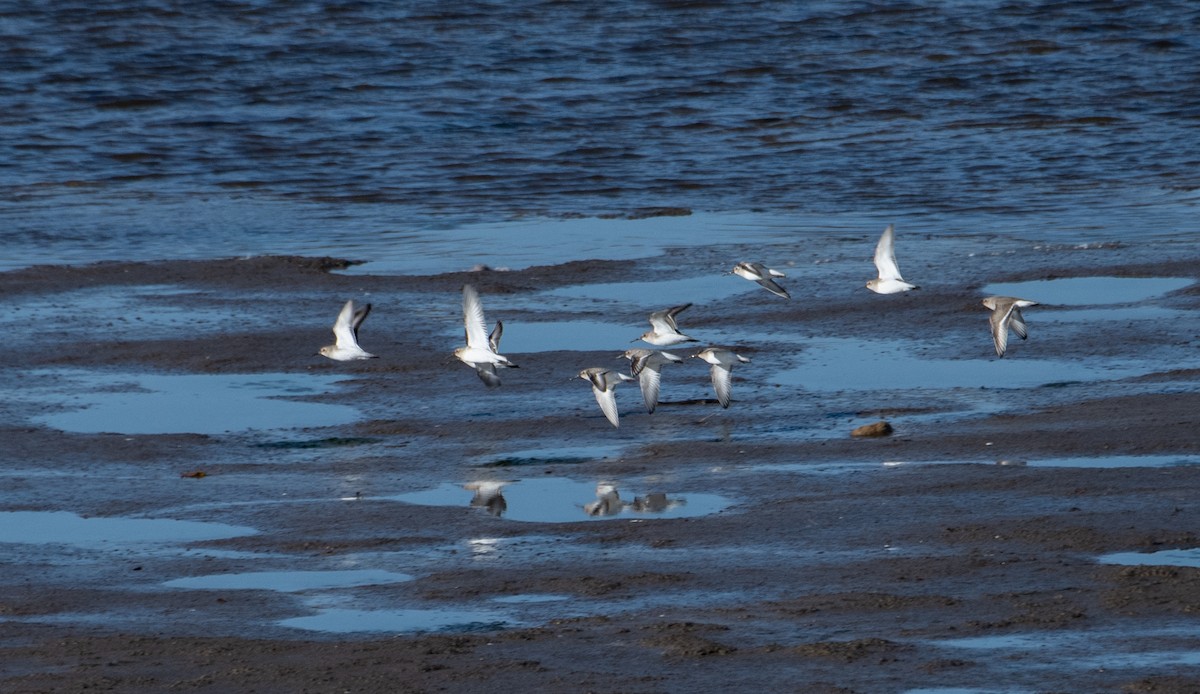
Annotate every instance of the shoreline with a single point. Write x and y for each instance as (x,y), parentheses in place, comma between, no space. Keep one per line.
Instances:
(831,570)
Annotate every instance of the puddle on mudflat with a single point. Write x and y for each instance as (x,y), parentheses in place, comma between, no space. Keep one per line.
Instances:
(531,598)
(345,621)
(177,404)
(62,527)
(1115,314)
(290,581)
(850,364)
(662,294)
(1166,557)
(567,455)
(561,500)
(842,467)
(328,442)
(579,336)
(1088,650)
(1089,291)
(1116,461)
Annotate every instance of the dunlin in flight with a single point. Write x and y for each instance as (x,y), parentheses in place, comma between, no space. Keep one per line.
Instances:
(723,361)
(345,333)
(480,353)
(604,383)
(1006,314)
(666,332)
(889,280)
(645,364)
(757,272)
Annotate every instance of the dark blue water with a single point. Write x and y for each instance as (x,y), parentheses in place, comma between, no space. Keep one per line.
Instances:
(178,129)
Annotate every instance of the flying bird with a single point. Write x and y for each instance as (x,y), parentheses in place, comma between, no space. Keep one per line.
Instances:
(1006,314)
(889,280)
(604,383)
(757,272)
(665,332)
(645,364)
(723,361)
(345,334)
(481,350)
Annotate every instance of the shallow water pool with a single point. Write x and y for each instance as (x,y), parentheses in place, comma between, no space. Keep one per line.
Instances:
(130,403)
(561,500)
(62,527)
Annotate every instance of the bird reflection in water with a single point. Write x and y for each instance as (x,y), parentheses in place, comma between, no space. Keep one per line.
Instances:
(608,502)
(488,496)
(655,502)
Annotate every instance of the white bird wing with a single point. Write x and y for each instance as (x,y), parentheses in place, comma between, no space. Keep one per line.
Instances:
(607,399)
(649,379)
(885,256)
(1016,323)
(664,321)
(473,321)
(999,321)
(722,380)
(343,327)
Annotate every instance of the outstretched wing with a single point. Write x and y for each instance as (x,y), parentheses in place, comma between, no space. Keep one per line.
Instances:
(607,399)
(473,319)
(722,380)
(1016,323)
(649,379)
(360,315)
(773,287)
(885,256)
(664,321)
(999,321)
(344,333)
(494,337)
(487,374)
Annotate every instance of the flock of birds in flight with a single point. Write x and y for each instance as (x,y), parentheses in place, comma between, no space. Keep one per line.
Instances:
(482,351)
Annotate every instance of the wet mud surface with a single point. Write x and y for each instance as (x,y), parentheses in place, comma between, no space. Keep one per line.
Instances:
(939,557)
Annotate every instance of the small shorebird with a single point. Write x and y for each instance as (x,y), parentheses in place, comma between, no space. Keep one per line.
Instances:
(757,272)
(480,353)
(345,333)
(645,364)
(666,332)
(723,361)
(889,280)
(1006,313)
(604,383)
(608,501)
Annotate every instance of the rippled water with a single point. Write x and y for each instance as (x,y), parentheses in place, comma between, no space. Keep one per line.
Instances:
(158,127)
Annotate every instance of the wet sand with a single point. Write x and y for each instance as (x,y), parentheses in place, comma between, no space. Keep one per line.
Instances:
(908,562)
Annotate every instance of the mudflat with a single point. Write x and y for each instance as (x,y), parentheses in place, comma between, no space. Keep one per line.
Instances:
(1029,524)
